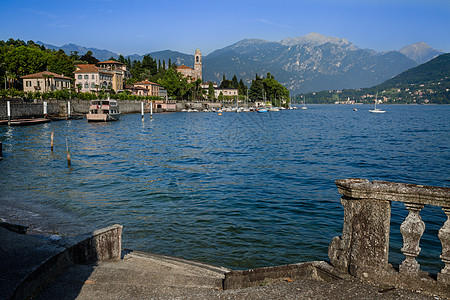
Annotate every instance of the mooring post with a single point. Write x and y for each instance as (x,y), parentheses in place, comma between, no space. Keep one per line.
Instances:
(8,108)
(151,109)
(1,151)
(51,142)
(68,110)
(142,110)
(45,109)
(68,154)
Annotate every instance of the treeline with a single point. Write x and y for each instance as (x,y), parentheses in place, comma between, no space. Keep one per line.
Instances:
(269,90)
(19,58)
(416,93)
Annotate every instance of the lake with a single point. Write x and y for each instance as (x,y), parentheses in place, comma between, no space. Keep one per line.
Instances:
(239,190)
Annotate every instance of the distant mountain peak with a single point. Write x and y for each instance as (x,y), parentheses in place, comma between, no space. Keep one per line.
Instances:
(420,52)
(315,39)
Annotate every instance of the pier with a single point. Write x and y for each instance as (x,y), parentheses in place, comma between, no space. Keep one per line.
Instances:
(94,266)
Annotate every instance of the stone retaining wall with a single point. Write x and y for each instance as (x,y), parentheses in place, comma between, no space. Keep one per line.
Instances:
(21,109)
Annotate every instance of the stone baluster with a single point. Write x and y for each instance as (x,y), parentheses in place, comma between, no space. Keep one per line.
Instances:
(412,229)
(444,236)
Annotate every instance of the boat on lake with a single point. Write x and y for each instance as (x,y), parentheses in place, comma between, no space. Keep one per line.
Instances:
(376,110)
(103,111)
(304,106)
(262,110)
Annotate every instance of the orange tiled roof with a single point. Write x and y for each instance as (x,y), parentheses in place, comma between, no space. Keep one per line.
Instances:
(86,69)
(110,62)
(41,75)
(145,82)
(184,67)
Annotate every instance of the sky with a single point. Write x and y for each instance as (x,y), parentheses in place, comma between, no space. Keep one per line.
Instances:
(140,26)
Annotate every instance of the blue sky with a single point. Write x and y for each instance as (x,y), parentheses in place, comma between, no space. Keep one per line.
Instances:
(139,26)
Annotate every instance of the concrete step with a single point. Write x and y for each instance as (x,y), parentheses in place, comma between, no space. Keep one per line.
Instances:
(138,276)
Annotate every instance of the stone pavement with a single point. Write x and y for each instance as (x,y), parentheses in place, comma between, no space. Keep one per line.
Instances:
(142,275)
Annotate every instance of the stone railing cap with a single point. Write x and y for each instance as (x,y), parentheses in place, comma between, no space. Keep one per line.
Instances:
(393,191)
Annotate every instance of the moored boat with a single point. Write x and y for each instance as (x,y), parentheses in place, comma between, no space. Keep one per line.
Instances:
(103,111)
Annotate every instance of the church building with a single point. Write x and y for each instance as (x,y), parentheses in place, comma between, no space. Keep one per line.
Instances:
(196,72)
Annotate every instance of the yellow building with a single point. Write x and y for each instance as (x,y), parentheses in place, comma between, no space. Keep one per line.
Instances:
(45,81)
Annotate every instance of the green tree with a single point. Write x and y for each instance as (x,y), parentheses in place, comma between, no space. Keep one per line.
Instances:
(176,86)
(211,96)
(242,88)
(25,60)
(148,63)
(226,83)
(234,82)
(256,89)
(89,58)
(60,63)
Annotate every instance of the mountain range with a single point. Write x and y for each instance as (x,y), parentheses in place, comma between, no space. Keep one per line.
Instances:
(303,64)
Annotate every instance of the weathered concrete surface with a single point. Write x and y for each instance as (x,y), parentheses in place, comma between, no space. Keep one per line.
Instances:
(148,276)
(26,262)
(393,191)
(365,236)
(138,276)
(315,270)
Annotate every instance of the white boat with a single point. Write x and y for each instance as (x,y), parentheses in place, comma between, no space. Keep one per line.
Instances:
(304,106)
(376,110)
(273,108)
(262,110)
(103,111)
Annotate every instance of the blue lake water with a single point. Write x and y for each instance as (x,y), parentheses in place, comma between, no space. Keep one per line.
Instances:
(238,190)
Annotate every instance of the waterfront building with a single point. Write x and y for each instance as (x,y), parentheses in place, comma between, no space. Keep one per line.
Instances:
(145,88)
(187,72)
(92,78)
(120,73)
(163,93)
(226,92)
(45,81)
(205,85)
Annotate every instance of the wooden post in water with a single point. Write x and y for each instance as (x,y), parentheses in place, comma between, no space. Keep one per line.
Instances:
(51,142)
(142,110)
(1,151)
(68,154)
(151,109)
(8,108)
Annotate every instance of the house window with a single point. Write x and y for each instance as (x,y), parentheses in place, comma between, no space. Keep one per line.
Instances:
(80,76)
(86,85)
(93,76)
(86,76)
(92,84)
(28,83)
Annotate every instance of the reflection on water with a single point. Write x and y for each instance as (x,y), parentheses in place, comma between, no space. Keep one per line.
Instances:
(238,190)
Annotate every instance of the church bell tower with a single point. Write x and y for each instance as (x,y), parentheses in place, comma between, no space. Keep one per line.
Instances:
(198,64)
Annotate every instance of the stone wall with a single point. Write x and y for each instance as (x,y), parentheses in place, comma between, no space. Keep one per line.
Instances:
(35,109)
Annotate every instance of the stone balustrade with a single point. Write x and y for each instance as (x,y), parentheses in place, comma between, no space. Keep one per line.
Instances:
(363,248)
